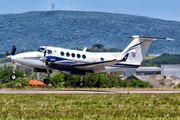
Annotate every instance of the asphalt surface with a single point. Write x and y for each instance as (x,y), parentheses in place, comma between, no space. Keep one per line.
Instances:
(84,91)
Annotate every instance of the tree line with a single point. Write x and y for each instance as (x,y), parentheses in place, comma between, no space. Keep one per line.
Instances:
(61,80)
(165,58)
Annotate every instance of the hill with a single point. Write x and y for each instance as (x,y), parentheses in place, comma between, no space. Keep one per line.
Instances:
(71,29)
(163,59)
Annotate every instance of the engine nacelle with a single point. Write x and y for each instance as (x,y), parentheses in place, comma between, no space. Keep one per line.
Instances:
(41,70)
(77,73)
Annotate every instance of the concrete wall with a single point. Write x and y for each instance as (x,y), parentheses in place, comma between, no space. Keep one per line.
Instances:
(155,80)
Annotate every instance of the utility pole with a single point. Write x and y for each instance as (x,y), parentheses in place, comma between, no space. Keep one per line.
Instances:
(53,7)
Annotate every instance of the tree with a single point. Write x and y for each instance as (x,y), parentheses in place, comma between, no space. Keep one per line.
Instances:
(98,46)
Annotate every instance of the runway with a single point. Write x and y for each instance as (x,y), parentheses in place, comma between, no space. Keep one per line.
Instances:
(85,91)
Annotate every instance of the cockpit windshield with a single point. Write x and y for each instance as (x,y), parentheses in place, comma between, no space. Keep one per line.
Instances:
(41,49)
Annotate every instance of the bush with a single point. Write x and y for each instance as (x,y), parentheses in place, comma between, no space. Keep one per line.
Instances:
(20,82)
(5,75)
(162,83)
(178,85)
(98,80)
(171,84)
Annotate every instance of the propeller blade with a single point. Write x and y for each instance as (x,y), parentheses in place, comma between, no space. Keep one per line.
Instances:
(45,51)
(8,56)
(13,51)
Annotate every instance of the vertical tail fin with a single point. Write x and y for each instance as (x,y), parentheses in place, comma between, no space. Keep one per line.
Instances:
(138,48)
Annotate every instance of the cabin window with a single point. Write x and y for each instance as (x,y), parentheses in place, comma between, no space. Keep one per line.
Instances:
(49,51)
(102,59)
(73,55)
(78,55)
(41,49)
(84,56)
(67,54)
(62,53)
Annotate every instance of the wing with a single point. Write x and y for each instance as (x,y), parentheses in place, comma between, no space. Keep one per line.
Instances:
(99,66)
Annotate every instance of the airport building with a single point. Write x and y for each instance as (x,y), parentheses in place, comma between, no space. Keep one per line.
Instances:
(173,70)
(169,75)
(142,71)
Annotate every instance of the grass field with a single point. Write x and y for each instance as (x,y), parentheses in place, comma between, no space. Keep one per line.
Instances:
(148,57)
(89,106)
(7,64)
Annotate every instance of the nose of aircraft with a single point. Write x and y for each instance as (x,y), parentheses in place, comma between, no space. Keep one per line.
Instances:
(11,57)
(14,57)
(8,57)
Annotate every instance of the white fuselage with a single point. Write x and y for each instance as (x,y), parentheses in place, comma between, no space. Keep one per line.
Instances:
(30,60)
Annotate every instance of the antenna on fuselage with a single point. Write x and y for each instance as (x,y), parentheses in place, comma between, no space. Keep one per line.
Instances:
(85,49)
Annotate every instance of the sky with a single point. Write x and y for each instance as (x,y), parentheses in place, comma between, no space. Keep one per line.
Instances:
(162,9)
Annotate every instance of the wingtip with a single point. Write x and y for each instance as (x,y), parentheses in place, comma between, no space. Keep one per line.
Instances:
(169,39)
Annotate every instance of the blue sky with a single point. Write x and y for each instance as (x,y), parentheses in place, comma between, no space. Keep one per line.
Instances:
(163,9)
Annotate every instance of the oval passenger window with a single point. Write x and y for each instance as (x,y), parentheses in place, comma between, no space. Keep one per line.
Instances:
(62,53)
(84,56)
(67,54)
(49,51)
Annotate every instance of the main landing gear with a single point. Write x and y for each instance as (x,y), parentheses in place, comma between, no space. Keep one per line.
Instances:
(47,81)
(13,75)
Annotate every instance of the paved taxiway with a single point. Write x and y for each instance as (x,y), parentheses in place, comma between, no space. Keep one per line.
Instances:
(84,91)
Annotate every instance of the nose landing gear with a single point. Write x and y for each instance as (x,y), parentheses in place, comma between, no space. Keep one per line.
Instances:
(13,75)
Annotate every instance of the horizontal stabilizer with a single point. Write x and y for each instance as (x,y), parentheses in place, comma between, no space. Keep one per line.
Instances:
(150,38)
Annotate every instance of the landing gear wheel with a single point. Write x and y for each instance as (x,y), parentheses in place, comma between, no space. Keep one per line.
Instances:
(46,81)
(81,84)
(13,76)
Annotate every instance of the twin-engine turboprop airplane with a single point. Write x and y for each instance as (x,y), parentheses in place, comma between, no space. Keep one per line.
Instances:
(46,59)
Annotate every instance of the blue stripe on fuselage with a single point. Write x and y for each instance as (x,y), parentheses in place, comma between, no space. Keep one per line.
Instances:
(56,58)
(69,61)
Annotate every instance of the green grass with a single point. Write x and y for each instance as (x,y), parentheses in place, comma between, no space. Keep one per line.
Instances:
(148,57)
(7,64)
(90,106)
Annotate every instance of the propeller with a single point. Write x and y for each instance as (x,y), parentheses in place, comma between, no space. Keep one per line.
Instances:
(45,51)
(45,59)
(13,51)
(8,56)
